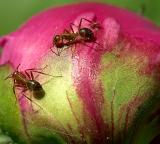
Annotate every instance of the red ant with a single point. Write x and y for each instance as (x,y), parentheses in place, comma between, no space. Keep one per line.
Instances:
(68,38)
(26,81)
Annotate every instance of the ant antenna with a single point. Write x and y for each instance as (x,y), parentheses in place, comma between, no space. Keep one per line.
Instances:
(58,52)
(10,76)
(18,67)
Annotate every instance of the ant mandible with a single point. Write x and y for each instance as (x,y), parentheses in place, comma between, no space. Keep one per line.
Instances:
(83,35)
(26,81)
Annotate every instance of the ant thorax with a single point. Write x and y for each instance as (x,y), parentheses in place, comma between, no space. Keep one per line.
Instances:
(36,88)
(68,37)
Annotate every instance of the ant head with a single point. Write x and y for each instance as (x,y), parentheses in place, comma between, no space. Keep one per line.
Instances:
(58,41)
(14,73)
(57,38)
(87,34)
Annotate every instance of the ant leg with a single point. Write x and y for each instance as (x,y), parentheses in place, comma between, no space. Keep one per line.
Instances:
(92,47)
(80,23)
(32,77)
(93,24)
(29,76)
(36,76)
(99,45)
(14,91)
(58,53)
(20,88)
(48,81)
(64,49)
(86,45)
(44,73)
(71,27)
(82,19)
(73,50)
(24,90)
(36,68)
(18,67)
(66,31)
(9,76)
(86,20)
(30,99)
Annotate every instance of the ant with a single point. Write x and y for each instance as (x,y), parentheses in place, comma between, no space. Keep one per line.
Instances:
(68,38)
(26,81)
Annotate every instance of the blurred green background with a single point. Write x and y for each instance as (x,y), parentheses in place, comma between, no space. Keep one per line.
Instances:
(14,12)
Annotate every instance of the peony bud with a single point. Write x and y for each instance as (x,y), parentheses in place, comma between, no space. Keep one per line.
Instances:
(104,91)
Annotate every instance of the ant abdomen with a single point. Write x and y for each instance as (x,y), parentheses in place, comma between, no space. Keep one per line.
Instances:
(87,34)
(38,94)
(36,88)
